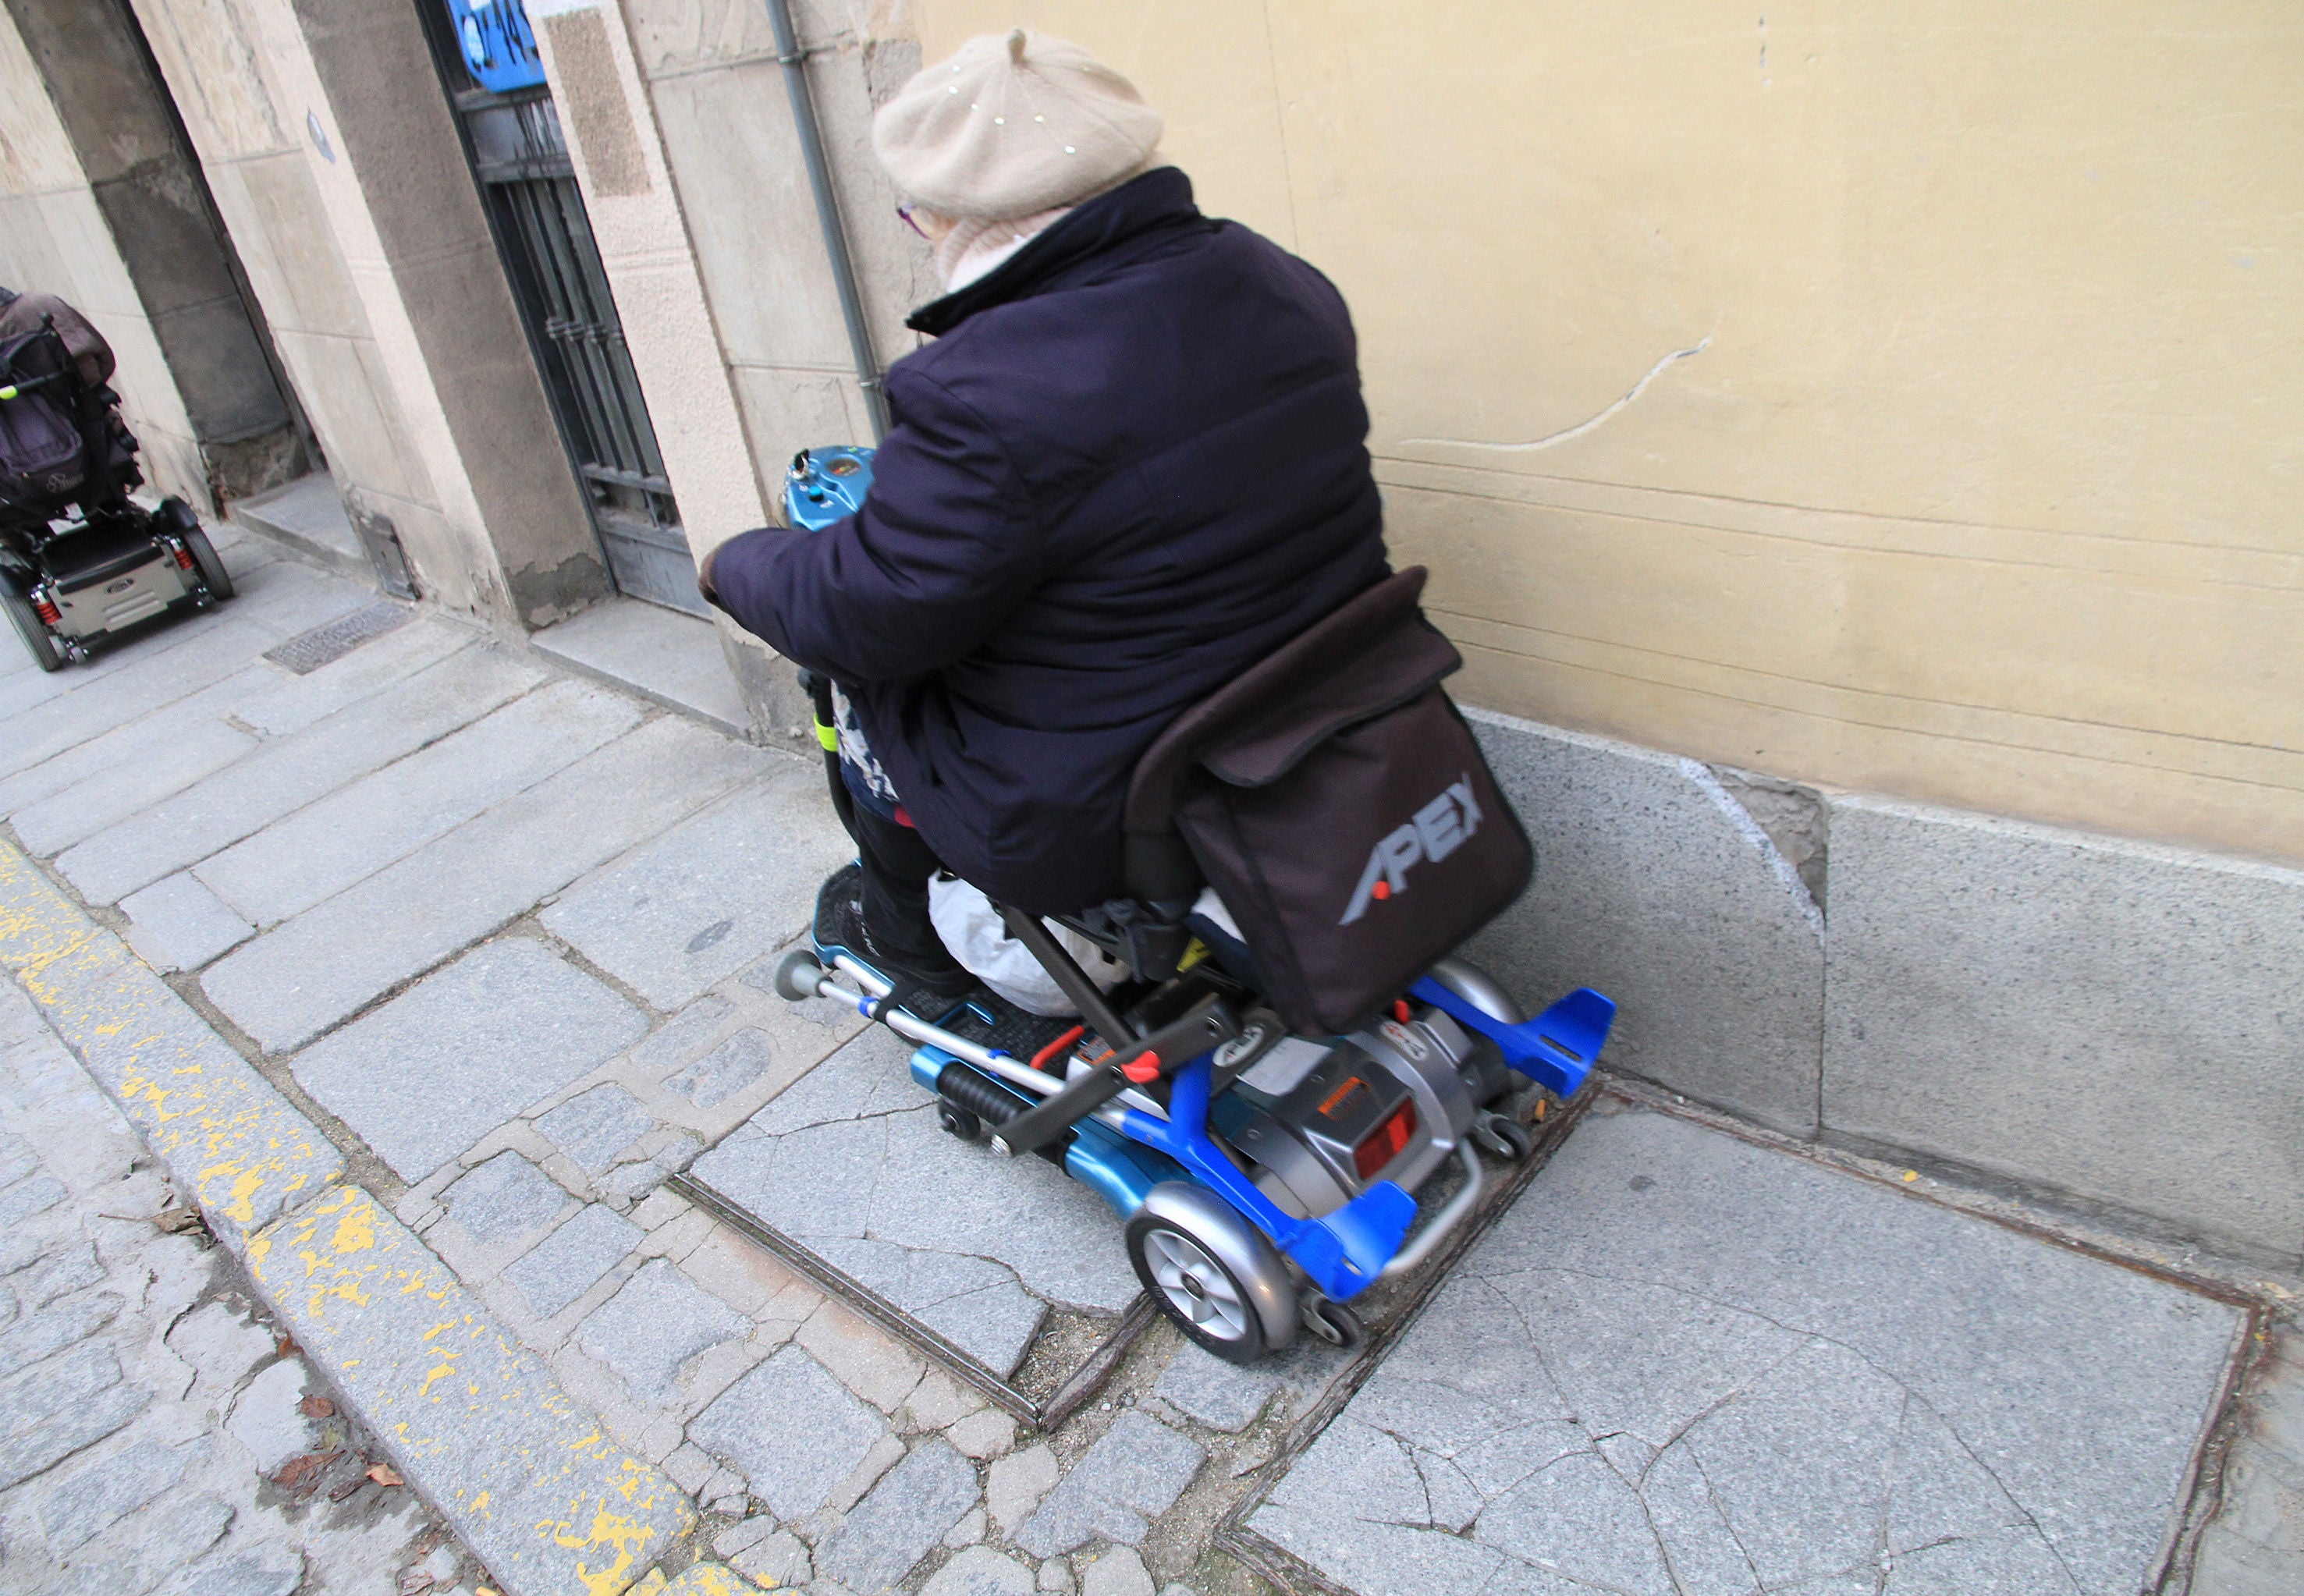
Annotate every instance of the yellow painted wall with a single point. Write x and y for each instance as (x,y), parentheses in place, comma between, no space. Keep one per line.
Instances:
(1901,398)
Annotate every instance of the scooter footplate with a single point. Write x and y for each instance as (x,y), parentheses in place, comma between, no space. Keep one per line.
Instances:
(991,1022)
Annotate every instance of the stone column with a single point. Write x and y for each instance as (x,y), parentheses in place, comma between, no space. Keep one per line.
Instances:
(638,223)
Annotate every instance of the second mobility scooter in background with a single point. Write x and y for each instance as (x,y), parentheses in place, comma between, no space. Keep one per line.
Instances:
(79,558)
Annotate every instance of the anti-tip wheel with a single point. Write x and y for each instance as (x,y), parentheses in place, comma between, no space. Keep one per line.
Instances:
(1331,1322)
(1502,1137)
(798,974)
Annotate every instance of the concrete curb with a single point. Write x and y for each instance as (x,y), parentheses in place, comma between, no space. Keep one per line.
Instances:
(227,1135)
(472,1419)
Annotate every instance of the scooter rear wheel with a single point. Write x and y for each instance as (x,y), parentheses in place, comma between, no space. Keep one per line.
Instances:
(213,577)
(43,649)
(1198,1292)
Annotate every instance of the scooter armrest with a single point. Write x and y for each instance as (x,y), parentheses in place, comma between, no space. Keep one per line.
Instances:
(1206,1024)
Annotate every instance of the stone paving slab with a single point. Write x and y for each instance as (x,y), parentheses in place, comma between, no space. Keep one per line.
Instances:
(308,972)
(382,817)
(286,775)
(260,697)
(235,1143)
(79,711)
(110,796)
(133,739)
(506,1025)
(309,514)
(1687,1364)
(674,659)
(473,1418)
(183,1406)
(838,1163)
(177,924)
(790,1394)
(713,893)
(1129,1477)
(289,702)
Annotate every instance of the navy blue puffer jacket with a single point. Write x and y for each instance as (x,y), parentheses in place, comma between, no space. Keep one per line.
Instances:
(1132,464)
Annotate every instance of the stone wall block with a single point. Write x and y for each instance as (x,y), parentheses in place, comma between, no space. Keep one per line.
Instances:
(2113,1020)
(1654,886)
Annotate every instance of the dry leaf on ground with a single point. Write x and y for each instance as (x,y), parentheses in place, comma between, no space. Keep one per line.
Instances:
(296,1471)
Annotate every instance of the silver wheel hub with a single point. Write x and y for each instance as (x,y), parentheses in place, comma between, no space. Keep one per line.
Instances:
(1195,1285)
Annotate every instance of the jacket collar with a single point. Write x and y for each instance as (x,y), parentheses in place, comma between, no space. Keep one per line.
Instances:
(1158,202)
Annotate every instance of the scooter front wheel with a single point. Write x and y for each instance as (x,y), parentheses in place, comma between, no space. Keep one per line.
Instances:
(1502,1137)
(798,974)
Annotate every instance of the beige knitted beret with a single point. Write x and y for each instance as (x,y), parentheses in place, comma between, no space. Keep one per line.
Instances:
(1013,126)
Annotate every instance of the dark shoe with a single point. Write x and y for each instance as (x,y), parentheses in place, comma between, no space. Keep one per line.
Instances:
(927,993)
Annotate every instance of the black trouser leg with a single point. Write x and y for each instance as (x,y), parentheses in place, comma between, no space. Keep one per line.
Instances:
(818,690)
(897,865)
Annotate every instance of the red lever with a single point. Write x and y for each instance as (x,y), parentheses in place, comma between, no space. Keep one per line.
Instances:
(1143,1068)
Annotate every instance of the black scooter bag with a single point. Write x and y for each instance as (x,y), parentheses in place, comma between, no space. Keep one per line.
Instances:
(1337,802)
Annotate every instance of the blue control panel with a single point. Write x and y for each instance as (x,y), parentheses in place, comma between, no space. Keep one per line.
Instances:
(825,484)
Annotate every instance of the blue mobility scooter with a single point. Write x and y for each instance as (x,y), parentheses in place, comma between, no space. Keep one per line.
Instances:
(1265,1137)
(78,558)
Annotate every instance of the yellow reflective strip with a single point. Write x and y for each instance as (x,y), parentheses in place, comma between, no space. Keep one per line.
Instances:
(828,739)
(1193,954)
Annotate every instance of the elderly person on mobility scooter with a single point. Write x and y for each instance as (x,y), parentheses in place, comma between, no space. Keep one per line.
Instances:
(1130,465)
(1118,645)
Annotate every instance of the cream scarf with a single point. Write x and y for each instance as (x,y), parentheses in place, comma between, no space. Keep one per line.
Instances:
(975,246)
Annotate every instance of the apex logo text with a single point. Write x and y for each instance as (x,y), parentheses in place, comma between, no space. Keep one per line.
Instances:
(1433,832)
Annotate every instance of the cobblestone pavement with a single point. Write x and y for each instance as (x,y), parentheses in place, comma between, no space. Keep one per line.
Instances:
(156,1430)
(503,937)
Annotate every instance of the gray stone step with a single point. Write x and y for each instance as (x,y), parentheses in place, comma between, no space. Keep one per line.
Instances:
(308,517)
(669,658)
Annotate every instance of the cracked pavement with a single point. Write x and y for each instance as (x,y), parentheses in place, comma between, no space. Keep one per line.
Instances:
(1734,1373)
(836,1161)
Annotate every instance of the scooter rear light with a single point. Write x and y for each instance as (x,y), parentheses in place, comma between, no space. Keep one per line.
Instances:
(1387,1142)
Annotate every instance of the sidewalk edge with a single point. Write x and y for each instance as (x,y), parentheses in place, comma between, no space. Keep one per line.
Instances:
(471,1417)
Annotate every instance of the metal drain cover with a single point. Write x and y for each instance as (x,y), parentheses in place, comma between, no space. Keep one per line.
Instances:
(306,651)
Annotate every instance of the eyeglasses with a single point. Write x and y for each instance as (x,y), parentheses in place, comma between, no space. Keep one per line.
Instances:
(905,211)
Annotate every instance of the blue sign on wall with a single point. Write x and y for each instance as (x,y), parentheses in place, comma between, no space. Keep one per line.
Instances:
(498,48)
